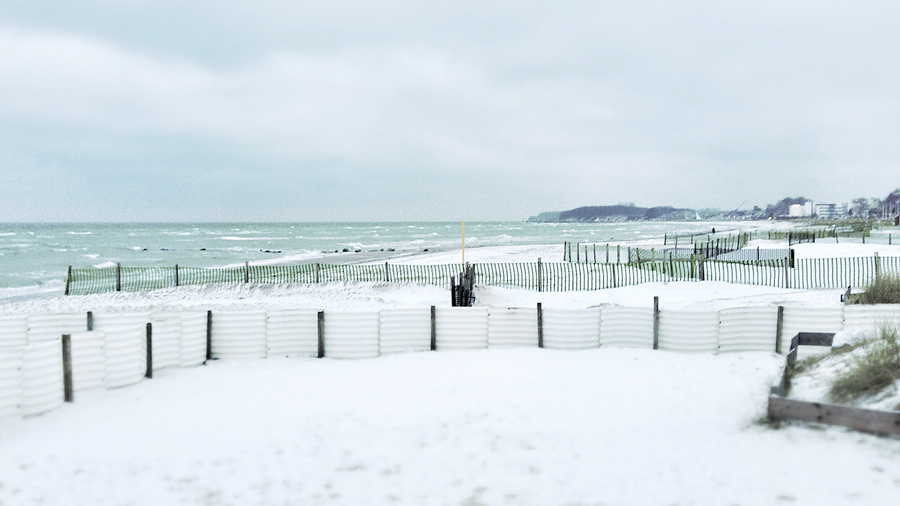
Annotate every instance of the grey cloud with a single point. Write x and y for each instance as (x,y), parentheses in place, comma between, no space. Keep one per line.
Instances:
(360,110)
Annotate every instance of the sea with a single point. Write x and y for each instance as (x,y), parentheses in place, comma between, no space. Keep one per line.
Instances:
(34,257)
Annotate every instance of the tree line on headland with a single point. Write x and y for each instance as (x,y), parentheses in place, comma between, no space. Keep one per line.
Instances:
(859,208)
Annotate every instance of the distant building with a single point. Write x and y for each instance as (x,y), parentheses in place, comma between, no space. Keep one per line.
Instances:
(800,210)
(831,211)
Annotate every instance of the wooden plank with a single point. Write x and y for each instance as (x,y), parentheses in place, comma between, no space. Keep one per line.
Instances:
(862,419)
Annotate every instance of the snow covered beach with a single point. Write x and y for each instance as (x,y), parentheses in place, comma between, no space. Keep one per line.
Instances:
(602,426)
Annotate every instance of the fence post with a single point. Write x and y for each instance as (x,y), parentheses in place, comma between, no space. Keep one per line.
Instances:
(68,395)
(149,373)
(779,326)
(607,252)
(433,328)
(701,270)
(787,264)
(321,325)
(615,267)
(68,279)
(90,321)
(387,273)
(176,275)
(618,253)
(452,291)
(665,239)
(246,272)
(577,253)
(540,276)
(877,266)
(208,336)
(317,272)
(118,277)
(540,325)
(655,323)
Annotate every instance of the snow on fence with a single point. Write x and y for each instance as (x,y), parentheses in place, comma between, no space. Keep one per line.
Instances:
(110,350)
(565,276)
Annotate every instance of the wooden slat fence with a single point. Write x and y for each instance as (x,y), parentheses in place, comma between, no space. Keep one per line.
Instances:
(563,276)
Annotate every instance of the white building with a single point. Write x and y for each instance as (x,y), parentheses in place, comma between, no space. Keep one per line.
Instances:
(800,210)
(831,211)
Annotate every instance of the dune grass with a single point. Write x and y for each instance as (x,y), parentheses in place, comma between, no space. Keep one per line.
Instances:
(884,290)
(873,371)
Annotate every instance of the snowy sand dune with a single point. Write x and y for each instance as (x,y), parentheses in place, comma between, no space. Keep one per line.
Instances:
(524,427)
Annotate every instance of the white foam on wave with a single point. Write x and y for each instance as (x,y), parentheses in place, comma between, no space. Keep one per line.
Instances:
(105,265)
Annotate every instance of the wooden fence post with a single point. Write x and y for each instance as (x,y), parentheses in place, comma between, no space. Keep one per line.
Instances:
(317,272)
(68,279)
(246,272)
(615,267)
(68,394)
(618,253)
(655,323)
(118,277)
(607,252)
(387,273)
(433,329)
(321,324)
(540,276)
(176,275)
(208,336)
(779,326)
(149,373)
(540,325)
(877,266)
(787,264)
(701,270)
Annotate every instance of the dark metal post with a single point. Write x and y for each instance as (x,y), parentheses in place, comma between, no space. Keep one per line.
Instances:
(779,328)
(540,325)
(68,279)
(149,373)
(90,321)
(321,322)
(433,328)
(209,335)
(176,275)
(655,323)
(68,394)
(118,277)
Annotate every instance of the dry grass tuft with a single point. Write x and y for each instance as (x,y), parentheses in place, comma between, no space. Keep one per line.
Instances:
(870,373)
(884,290)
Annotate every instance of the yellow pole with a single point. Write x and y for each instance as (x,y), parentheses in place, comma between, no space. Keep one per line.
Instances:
(464,243)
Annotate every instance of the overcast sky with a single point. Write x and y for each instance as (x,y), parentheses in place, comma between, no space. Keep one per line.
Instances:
(159,110)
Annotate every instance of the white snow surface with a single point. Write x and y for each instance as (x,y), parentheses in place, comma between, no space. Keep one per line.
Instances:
(491,427)
(494,427)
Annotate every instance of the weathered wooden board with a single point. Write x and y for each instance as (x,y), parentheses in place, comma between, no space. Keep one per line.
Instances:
(866,420)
